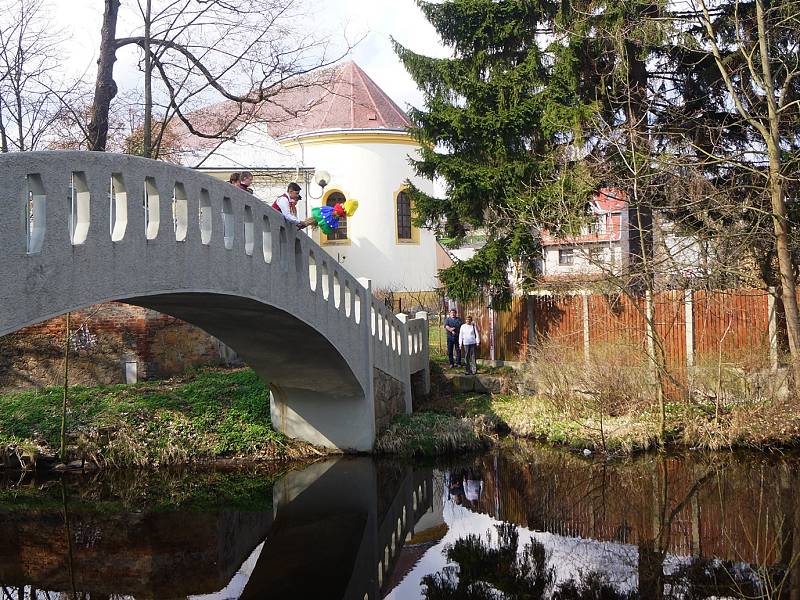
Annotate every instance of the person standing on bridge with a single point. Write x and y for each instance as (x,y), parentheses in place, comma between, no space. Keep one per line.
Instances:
(468,339)
(245,179)
(286,204)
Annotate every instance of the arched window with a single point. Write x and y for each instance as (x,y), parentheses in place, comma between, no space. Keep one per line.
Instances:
(404,231)
(341,232)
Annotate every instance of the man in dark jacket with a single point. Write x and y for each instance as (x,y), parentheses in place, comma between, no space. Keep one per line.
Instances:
(452,324)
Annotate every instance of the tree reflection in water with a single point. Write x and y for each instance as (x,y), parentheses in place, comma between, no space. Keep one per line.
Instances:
(664,527)
(487,570)
(492,567)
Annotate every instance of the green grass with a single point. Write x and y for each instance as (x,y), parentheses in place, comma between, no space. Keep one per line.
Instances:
(206,414)
(431,434)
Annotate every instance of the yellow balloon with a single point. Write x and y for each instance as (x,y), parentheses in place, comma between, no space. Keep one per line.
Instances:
(350,207)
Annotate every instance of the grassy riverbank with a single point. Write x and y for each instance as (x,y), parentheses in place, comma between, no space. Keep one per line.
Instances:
(765,426)
(202,416)
(560,400)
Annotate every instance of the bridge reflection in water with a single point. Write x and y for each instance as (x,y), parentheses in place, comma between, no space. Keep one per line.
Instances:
(366,529)
(332,530)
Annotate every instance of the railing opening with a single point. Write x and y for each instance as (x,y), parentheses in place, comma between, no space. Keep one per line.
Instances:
(180,212)
(312,271)
(35,223)
(266,240)
(79,208)
(227,223)
(326,284)
(357,307)
(372,319)
(337,290)
(348,299)
(151,202)
(249,235)
(205,217)
(117,207)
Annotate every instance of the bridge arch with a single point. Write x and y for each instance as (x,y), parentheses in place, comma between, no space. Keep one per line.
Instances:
(81,228)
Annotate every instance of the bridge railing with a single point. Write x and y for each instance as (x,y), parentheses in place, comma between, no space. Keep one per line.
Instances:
(98,204)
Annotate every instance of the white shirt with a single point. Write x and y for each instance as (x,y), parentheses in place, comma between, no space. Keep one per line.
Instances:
(286,209)
(468,334)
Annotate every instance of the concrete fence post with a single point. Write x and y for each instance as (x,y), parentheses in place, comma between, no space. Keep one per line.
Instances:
(531,324)
(688,313)
(491,336)
(650,334)
(585,311)
(424,347)
(772,329)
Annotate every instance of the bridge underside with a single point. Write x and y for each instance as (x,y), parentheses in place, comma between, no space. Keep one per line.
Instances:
(315,395)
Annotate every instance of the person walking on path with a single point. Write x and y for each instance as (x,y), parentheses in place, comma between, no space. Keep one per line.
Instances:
(452,324)
(468,338)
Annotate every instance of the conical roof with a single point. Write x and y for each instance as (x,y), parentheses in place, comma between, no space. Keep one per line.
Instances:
(340,98)
(343,98)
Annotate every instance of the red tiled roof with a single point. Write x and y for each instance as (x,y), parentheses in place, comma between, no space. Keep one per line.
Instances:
(610,200)
(340,97)
(350,100)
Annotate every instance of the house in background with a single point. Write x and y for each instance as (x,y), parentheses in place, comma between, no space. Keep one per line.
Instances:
(346,125)
(609,244)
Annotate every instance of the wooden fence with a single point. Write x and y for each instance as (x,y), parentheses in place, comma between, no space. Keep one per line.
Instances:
(691,325)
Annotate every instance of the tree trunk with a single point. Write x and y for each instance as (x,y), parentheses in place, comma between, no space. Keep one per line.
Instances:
(63,450)
(3,134)
(20,130)
(779,222)
(147,141)
(105,87)
(785,267)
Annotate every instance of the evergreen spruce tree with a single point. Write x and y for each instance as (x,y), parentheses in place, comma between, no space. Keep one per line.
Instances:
(500,127)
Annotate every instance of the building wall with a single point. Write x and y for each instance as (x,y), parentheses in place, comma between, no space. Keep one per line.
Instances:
(372,170)
(583,263)
(110,343)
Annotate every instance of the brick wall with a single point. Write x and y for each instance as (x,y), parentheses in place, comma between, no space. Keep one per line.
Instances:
(107,340)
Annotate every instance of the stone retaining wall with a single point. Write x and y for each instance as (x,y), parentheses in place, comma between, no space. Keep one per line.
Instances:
(110,343)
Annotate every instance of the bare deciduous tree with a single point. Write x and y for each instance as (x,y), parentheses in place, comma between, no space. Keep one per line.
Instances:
(199,51)
(33,92)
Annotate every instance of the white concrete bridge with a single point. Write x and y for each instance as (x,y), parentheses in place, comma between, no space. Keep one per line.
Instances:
(82,228)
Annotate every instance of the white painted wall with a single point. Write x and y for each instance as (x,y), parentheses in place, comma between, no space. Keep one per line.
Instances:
(371,173)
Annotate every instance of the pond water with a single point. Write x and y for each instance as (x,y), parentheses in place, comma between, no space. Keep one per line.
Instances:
(523,521)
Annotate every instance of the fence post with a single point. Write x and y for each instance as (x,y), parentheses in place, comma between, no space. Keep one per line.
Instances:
(585,306)
(688,312)
(531,324)
(425,350)
(650,333)
(772,329)
(491,335)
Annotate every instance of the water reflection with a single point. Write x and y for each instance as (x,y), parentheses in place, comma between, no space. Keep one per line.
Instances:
(524,522)
(547,524)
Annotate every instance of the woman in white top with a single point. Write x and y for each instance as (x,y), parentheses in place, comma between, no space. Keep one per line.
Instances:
(468,339)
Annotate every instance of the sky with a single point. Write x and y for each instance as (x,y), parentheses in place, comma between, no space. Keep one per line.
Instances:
(371,21)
